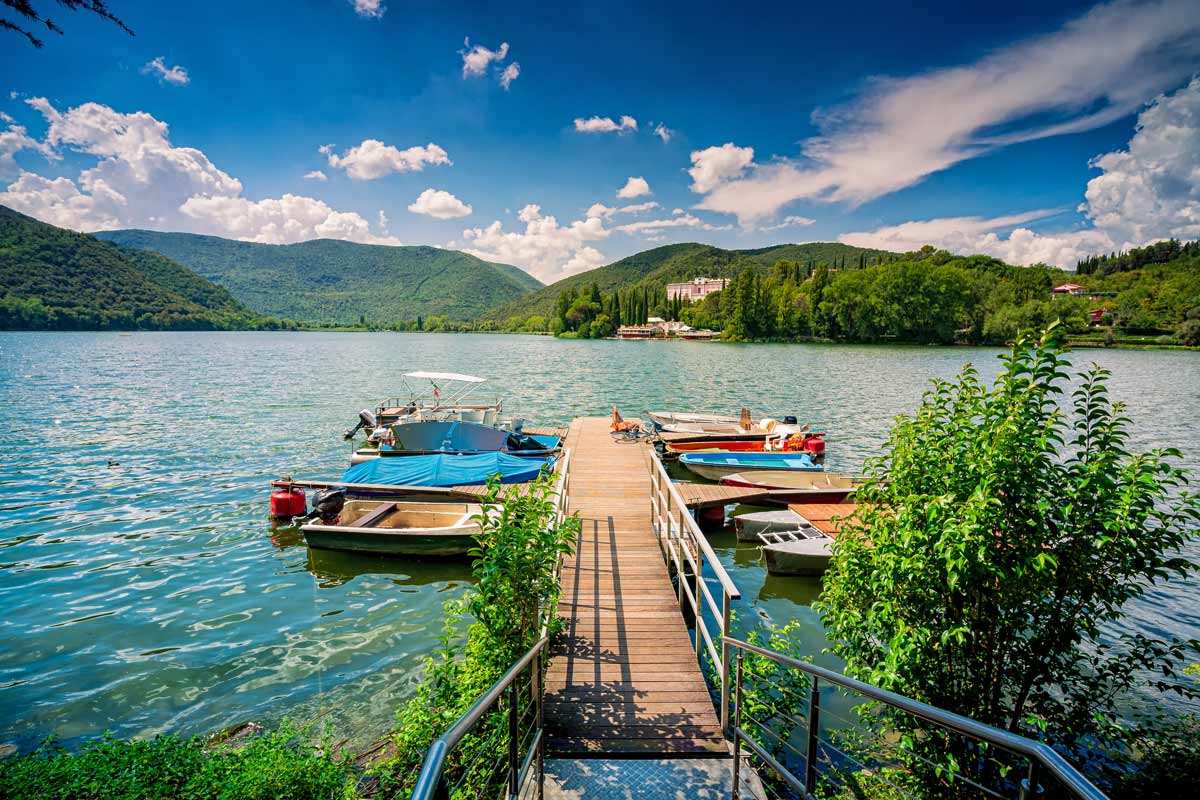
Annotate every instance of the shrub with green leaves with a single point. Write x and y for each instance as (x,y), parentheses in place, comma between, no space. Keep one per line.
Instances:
(280,765)
(517,587)
(995,547)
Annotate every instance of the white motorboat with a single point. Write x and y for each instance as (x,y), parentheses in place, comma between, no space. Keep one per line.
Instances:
(448,399)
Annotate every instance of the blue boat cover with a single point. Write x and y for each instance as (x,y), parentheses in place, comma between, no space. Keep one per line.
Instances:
(444,469)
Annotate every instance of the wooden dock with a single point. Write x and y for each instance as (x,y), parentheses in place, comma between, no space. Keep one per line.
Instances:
(623,679)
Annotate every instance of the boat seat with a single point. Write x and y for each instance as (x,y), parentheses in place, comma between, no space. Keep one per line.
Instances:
(373,516)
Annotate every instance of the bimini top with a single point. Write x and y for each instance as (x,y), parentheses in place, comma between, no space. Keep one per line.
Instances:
(447,469)
(445,376)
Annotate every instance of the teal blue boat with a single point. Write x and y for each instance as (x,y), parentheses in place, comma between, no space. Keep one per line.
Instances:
(715,466)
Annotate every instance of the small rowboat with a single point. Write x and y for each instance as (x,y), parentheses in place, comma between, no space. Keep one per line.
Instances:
(662,419)
(804,557)
(750,527)
(798,487)
(715,466)
(398,528)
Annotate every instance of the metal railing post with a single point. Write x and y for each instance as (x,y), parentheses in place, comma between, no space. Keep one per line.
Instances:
(541,747)
(698,605)
(814,722)
(1029,787)
(737,729)
(514,736)
(725,616)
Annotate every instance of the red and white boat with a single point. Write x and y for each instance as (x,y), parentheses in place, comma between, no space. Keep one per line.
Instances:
(801,442)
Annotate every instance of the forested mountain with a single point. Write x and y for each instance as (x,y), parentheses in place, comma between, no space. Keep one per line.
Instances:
(332,281)
(55,279)
(682,262)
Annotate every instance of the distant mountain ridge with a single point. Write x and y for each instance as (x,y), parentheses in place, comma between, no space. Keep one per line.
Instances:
(682,262)
(52,278)
(332,281)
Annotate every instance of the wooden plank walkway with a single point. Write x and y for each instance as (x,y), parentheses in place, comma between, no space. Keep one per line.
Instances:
(623,680)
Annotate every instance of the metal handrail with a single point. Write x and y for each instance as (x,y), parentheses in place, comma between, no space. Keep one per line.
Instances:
(431,781)
(676,530)
(1040,754)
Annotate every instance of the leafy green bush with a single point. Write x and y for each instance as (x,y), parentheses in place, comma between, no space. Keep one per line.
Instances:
(277,765)
(516,569)
(995,546)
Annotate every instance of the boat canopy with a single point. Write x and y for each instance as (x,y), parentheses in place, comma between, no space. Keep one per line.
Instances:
(445,376)
(446,469)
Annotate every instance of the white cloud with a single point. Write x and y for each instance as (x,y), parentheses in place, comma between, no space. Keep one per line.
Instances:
(1097,68)
(788,222)
(277,221)
(369,8)
(176,75)
(316,175)
(374,159)
(663,132)
(140,179)
(605,125)
(5,117)
(383,221)
(545,249)
(652,226)
(634,187)
(476,59)
(601,210)
(439,205)
(13,141)
(677,211)
(510,74)
(1149,191)
(715,165)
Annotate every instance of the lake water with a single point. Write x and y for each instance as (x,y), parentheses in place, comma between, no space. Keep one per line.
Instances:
(143,589)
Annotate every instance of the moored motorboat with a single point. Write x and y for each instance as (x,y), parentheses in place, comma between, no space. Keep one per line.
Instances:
(750,527)
(715,466)
(801,556)
(398,527)
(447,469)
(790,486)
(423,438)
(812,443)
(448,399)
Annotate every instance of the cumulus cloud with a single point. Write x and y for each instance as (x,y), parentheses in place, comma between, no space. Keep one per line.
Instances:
(788,222)
(545,249)
(176,75)
(316,175)
(141,179)
(510,74)
(5,117)
(374,159)
(13,141)
(1147,192)
(634,187)
(663,132)
(605,125)
(601,210)
(369,8)
(653,226)
(1094,70)
(475,60)
(439,205)
(714,165)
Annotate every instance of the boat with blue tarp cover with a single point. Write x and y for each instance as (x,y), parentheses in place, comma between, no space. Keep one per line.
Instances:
(447,469)
(423,438)
(715,466)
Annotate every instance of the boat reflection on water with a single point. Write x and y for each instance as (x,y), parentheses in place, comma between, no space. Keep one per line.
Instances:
(802,591)
(336,567)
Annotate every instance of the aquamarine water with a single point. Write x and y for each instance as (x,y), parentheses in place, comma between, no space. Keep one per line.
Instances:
(144,590)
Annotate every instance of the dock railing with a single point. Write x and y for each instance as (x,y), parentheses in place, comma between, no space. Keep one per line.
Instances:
(794,744)
(687,553)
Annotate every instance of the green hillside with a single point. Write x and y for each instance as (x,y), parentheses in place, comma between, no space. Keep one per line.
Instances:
(681,262)
(51,278)
(332,281)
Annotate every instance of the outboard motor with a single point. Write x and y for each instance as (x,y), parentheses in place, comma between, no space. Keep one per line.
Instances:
(365,420)
(790,420)
(328,504)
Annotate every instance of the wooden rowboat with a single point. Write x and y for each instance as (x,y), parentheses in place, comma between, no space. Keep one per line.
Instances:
(795,487)
(398,527)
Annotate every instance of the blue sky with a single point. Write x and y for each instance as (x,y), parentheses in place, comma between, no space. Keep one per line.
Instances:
(875,123)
